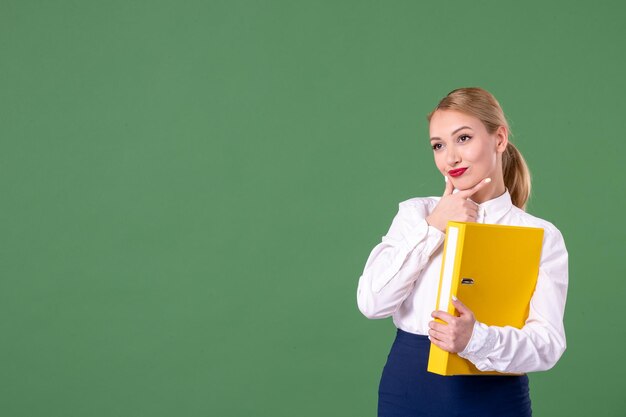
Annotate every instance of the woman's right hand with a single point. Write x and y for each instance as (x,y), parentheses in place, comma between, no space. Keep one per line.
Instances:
(455,207)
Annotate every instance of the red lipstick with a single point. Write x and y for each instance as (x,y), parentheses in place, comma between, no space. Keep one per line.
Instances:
(457,172)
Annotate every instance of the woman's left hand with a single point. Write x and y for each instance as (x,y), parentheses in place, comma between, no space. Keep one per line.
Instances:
(453,335)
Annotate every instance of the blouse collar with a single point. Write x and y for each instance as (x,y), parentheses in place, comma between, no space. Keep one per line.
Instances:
(494,209)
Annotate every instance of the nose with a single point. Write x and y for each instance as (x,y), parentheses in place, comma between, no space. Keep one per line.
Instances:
(452,157)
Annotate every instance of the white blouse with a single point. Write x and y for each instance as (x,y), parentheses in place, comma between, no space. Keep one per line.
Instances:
(401,278)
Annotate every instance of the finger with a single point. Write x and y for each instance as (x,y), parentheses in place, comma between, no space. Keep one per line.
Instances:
(472,208)
(442,315)
(436,334)
(439,344)
(449,186)
(441,336)
(471,204)
(438,327)
(474,189)
(472,216)
(460,307)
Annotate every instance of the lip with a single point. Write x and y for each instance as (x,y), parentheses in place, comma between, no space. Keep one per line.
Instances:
(457,172)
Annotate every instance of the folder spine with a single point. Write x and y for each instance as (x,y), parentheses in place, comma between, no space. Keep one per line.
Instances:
(452,253)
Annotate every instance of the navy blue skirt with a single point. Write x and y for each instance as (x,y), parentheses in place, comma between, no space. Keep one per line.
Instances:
(407,389)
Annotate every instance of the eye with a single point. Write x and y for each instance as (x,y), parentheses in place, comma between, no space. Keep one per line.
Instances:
(464,138)
(437,146)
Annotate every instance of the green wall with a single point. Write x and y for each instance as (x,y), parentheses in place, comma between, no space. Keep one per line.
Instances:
(190,190)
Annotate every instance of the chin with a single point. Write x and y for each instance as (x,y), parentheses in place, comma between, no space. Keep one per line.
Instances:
(464,184)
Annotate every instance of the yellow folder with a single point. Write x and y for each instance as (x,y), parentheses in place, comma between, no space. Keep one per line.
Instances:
(493,270)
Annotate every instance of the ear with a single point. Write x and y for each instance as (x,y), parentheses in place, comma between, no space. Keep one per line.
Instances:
(502,138)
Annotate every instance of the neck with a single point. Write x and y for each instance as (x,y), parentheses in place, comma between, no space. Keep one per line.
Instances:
(492,190)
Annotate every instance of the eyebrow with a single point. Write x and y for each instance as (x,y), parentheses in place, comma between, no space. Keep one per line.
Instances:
(462,127)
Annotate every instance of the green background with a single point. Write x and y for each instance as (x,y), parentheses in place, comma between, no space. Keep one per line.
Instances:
(190,190)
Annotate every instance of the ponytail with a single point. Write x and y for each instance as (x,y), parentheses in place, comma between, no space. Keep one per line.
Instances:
(516,176)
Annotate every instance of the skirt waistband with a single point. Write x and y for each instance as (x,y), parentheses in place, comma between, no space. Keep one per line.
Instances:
(412,339)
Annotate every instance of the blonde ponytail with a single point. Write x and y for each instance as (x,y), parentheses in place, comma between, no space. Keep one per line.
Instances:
(481,104)
(516,175)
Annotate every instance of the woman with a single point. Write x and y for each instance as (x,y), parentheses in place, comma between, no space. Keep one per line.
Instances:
(486,181)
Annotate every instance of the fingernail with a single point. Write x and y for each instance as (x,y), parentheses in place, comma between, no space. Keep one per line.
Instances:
(487,180)
(446,178)
(454,298)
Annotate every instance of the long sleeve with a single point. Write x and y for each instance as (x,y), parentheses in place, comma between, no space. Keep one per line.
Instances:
(540,343)
(394,264)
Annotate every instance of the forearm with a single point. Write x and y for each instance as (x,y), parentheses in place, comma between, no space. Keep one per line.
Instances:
(510,350)
(393,267)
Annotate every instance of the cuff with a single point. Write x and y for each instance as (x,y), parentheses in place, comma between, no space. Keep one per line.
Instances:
(480,344)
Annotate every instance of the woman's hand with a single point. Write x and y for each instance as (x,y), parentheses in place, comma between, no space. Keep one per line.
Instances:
(456,334)
(455,207)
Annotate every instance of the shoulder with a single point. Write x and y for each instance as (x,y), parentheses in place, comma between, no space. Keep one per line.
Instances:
(551,233)
(528,219)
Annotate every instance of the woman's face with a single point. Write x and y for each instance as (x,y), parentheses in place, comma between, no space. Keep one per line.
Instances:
(464,151)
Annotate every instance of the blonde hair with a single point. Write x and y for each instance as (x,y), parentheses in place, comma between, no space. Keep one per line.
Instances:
(483,105)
